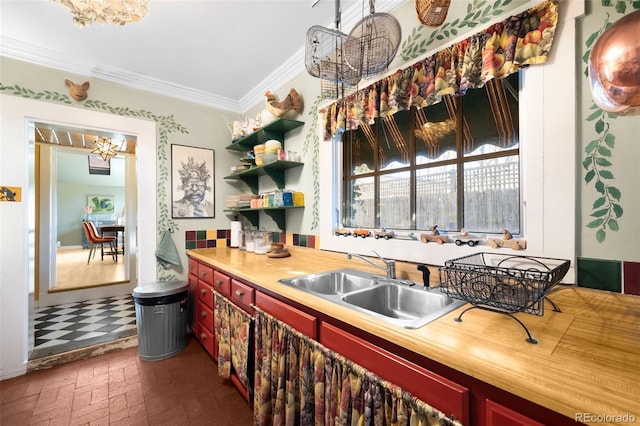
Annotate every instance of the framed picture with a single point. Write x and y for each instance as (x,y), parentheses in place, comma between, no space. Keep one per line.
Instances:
(101,204)
(192,191)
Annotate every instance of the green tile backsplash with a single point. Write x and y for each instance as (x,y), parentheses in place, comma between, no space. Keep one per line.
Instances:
(600,274)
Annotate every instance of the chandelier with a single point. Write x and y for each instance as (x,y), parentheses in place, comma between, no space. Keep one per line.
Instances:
(104,148)
(120,12)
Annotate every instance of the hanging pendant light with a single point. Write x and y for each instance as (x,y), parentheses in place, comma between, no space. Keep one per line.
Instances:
(104,148)
(119,12)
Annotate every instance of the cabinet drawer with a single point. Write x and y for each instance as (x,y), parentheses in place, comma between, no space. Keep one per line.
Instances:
(205,316)
(242,295)
(205,273)
(437,391)
(301,321)
(193,267)
(222,283)
(205,295)
(208,341)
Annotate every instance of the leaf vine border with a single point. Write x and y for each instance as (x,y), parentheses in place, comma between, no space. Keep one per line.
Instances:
(606,209)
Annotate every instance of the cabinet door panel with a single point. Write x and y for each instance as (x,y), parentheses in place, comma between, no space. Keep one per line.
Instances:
(205,273)
(442,394)
(498,414)
(301,321)
(242,295)
(222,283)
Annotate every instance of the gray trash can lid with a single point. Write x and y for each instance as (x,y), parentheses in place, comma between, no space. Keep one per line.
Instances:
(159,289)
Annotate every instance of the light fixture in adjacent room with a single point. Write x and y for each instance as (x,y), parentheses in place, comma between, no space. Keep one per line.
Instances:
(119,12)
(104,148)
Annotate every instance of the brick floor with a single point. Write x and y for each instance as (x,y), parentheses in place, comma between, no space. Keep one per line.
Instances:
(120,389)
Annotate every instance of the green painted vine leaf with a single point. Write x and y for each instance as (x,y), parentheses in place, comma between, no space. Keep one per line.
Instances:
(600,213)
(603,162)
(606,174)
(589,176)
(587,163)
(599,202)
(617,209)
(614,192)
(594,115)
(600,187)
(595,224)
(613,225)
(610,140)
(592,145)
(601,235)
(604,151)
(599,126)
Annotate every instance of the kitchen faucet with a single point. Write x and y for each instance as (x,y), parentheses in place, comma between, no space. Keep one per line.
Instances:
(390,268)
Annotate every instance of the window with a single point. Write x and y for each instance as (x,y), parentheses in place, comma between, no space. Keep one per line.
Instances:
(454,164)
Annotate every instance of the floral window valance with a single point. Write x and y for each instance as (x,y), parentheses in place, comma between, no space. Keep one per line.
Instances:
(502,49)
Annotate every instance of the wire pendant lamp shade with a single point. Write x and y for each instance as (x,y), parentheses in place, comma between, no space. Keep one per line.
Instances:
(373,43)
(325,59)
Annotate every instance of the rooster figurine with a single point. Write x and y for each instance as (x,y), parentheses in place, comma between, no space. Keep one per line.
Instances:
(293,102)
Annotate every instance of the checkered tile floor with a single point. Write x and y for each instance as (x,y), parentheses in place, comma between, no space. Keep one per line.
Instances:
(70,326)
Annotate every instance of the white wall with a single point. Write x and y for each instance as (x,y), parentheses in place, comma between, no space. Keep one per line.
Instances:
(16,232)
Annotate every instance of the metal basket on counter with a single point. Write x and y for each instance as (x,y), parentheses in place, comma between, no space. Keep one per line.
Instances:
(503,283)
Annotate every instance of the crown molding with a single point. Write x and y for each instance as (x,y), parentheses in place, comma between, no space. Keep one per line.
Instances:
(289,70)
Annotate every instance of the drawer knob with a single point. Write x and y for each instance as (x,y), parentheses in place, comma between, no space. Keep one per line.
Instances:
(203,336)
(203,291)
(219,282)
(239,293)
(203,314)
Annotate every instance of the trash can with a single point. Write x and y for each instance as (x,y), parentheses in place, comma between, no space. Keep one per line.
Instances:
(161,317)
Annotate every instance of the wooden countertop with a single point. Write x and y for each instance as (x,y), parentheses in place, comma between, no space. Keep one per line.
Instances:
(587,359)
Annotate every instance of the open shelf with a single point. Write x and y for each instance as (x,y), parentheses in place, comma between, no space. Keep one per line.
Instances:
(276,213)
(274,130)
(275,170)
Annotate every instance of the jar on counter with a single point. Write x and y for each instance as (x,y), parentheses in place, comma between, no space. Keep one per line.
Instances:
(262,241)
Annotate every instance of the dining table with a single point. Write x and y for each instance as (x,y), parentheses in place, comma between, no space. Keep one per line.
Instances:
(118,232)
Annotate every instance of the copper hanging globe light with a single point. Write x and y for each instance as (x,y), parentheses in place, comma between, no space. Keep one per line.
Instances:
(614,67)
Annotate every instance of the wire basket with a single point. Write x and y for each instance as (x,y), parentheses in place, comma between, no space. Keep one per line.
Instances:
(432,13)
(502,282)
(325,59)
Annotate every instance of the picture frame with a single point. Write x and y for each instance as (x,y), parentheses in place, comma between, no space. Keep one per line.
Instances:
(192,182)
(102,204)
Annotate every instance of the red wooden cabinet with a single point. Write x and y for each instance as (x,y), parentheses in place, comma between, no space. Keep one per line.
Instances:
(446,396)
(301,321)
(242,295)
(222,283)
(499,415)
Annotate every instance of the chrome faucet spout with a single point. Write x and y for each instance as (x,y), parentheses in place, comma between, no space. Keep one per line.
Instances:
(389,268)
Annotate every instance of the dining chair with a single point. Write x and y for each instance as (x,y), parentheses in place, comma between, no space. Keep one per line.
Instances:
(94,239)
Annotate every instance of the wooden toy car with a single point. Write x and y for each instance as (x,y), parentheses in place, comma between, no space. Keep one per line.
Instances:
(364,233)
(471,242)
(440,239)
(383,233)
(513,244)
(342,231)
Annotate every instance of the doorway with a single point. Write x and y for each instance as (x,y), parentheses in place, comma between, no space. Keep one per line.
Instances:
(18,243)
(70,190)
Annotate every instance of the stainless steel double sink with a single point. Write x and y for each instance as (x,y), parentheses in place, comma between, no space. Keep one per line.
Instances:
(397,302)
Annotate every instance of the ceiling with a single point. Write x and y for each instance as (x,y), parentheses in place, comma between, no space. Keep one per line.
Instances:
(221,53)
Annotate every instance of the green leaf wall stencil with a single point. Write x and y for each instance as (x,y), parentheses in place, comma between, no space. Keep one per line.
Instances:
(607,207)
